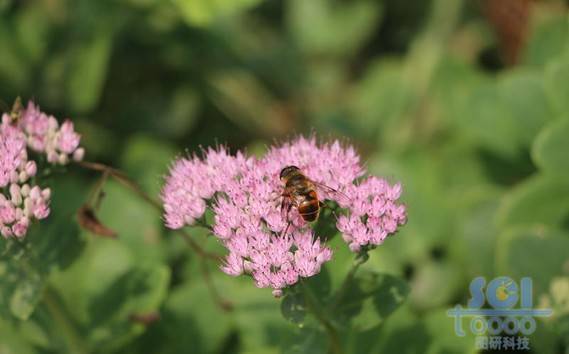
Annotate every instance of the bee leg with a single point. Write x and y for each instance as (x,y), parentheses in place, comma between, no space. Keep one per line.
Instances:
(286,229)
(288,207)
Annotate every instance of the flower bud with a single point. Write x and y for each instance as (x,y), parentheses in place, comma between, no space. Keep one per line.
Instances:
(6,231)
(78,154)
(46,193)
(25,190)
(31,168)
(15,194)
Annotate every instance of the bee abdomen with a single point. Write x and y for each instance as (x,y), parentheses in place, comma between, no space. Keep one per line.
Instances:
(309,210)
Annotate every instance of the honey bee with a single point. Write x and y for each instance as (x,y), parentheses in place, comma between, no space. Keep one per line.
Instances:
(301,192)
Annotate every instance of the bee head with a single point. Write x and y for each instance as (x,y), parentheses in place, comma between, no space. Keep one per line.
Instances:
(288,171)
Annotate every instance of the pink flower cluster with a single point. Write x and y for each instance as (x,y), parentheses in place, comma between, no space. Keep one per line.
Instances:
(245,194)
(44,135)
(193,181)
(21,200)
(374,213)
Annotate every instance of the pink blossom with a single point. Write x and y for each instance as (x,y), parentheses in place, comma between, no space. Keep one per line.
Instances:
(374,215)
(44,135)
(245,195)
(12,151)
(192,181)
(20,202)
(67,139)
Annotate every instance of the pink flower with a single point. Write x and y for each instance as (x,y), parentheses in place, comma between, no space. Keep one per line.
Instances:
(44,135)
(20,202)
(245,195)
(192,181)
(67,139)
(12,151)
(374,215)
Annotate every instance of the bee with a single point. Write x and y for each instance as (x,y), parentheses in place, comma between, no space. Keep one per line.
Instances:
(301,192)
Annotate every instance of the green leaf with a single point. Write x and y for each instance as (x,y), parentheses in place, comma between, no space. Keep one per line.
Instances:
(548,41)
(541,199)
(487,120)
(339,28)
(308,340)
(87,71)
(21,283)
(12,342)
(55,242)
(139,291)
(443,337)
(368,299)
(293,307)
(381,98)
(137,223)
(534,252)
(524,94)
(25,286)
(556,82)
(147,160)
(189,318)
(51,244)
(551,147)
(204,12)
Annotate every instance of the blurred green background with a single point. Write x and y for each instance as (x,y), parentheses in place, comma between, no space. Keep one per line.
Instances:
(466,102)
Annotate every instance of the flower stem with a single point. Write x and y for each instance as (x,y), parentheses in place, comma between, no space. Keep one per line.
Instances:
(313,305)
(72,339)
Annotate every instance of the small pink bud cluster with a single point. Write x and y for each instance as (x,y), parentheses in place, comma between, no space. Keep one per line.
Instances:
(21,199)
(44,135)
(244,194)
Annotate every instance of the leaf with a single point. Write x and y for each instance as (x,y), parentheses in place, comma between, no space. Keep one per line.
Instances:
(55,242)
(487,120)
(381,98)
(556,82)
(87,71)
(533,252)
(308,340)
(24,286)
(549,40)
(203,12)
(324,27)
(138,224)
(442,333)
(146,160)
(434,283)
(368,299)
(138,291)
(51,244)
(256,316)
(12,342)
(541,199)
(524,94)
(550,149)
(293,307)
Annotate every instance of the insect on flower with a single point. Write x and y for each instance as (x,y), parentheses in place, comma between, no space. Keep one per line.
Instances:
(301,192)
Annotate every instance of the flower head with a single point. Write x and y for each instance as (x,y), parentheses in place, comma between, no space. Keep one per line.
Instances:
(277,248)
(22,201)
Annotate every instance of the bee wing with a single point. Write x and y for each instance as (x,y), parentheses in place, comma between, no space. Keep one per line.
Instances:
(336,194)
